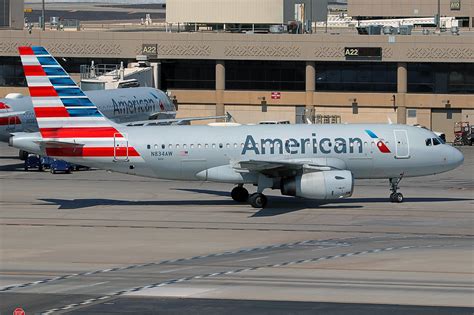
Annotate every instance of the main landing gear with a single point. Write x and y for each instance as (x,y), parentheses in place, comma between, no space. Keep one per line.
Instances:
(395,196)
(240,194)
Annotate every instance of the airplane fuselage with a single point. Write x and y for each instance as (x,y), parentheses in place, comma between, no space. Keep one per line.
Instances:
(368,151)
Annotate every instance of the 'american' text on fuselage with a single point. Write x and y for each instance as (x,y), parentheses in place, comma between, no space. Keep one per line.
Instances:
(302,146)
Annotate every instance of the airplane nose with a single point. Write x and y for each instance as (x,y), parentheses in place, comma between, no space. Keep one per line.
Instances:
(457,158)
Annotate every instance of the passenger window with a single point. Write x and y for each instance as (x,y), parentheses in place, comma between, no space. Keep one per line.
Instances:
(221,145)
(436,141)
(177,146)
(192,146)
(199,145)
(206,145)
(163,146)
(170,146)
(185,146)
(428,142)
(148,147)
(213,145)
(235,145)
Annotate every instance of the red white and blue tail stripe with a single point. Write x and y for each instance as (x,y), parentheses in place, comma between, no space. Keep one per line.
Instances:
(65,114)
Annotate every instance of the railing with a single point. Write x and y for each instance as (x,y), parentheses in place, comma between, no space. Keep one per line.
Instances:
(94,71)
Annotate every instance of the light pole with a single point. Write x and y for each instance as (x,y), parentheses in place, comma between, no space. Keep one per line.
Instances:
(43,26)
(438,22)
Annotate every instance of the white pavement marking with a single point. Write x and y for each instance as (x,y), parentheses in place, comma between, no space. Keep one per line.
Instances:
(177,269)
(256,258)
(160,284)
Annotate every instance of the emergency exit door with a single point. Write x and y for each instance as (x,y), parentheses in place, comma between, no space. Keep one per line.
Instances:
(120,147)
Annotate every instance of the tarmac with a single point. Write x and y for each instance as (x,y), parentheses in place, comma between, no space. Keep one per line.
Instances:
(100,243)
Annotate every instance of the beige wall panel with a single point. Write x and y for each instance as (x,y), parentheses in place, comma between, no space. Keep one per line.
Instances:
(253,114)
(186,110)
(346,99)
(226,46)
(365,115)
(408,8)
(224,11)
(439,100)
(194,96)
(424,117)
(4,91)
(468,115)
(440,123)
(256,97)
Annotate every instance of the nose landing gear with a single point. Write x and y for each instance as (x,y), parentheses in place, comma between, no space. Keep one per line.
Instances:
(395,196)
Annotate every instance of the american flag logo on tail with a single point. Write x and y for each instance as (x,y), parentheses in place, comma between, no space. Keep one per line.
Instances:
(65,114)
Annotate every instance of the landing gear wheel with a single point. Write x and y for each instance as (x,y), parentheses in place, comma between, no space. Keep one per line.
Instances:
(395,196)
(398,198)
(258,200)
(240,194)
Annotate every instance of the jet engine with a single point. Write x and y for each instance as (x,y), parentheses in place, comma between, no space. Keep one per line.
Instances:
(325,185)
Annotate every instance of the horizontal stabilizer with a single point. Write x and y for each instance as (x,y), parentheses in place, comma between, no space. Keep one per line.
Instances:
(10,114)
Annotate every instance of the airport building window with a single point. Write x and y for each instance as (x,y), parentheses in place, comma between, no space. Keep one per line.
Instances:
(265,75)
(440,78)
(4,13)
(188,74)
(356,77)
(11,72)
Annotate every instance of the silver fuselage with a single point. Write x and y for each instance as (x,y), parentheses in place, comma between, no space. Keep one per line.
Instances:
(183,152)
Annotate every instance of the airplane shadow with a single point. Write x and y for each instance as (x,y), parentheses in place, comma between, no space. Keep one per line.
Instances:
(277,205)
(74,204)
(12,167)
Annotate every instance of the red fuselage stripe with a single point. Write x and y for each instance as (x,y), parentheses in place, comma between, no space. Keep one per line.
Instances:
(10,121)
(91,152)
(89,132)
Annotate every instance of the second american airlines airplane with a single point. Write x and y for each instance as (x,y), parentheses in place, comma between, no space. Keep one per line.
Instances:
(317,162)
(119,105)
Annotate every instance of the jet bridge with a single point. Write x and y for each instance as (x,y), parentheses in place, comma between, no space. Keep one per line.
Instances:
(107,76)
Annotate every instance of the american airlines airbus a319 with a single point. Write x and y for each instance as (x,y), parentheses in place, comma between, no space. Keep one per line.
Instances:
(317,162)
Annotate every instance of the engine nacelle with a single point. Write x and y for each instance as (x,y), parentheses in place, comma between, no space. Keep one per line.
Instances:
(326,185)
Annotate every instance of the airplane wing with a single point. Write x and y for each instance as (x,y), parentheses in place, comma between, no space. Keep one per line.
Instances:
(177,121)
(10,114)
(282,168)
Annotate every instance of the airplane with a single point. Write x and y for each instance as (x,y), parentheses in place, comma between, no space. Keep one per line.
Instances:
(317,162)
(142,105)
(119,105)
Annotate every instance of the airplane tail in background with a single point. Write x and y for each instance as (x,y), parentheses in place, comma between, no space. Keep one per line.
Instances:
(69,123)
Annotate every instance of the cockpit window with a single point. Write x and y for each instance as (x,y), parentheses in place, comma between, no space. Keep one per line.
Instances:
(428,142)
(436,141)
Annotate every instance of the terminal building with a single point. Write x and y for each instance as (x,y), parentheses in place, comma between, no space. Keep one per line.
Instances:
(11,14)
(333,75)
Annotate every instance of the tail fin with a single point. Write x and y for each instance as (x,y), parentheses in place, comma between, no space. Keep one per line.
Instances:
(64,113)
